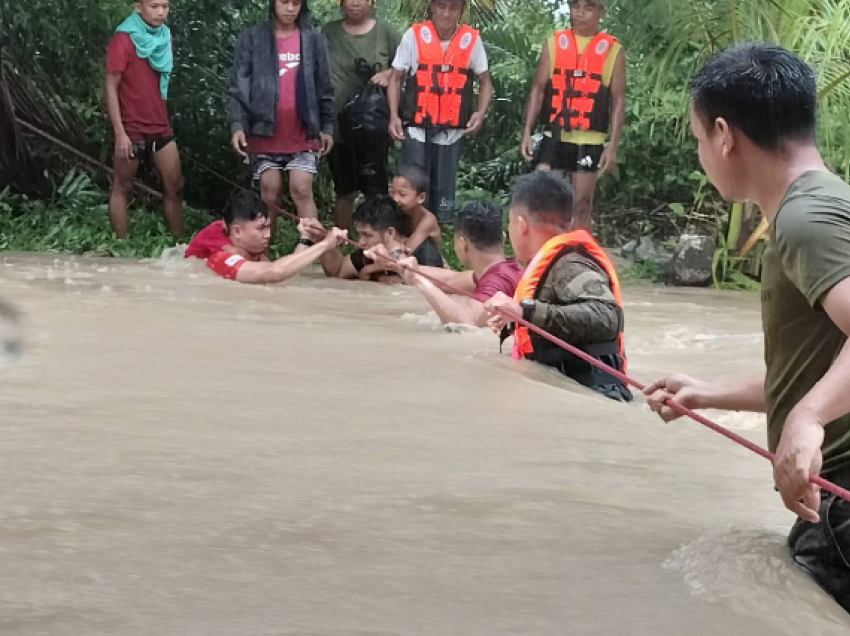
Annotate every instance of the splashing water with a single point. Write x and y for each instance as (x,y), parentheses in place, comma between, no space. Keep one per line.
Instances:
(182,454)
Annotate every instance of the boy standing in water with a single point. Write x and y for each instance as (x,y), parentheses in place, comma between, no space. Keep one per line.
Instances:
(139,61)
(282,104)
(480,246)
(378,221)
(410,189)
(753,115)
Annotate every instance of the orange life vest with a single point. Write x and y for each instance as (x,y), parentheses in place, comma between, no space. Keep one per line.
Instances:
(528,287)
(439,93)
(576,98)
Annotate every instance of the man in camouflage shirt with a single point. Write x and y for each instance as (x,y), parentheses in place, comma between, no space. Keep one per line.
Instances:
(570,288)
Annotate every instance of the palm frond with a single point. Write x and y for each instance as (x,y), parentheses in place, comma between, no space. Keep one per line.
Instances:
(31,97)
(478,12)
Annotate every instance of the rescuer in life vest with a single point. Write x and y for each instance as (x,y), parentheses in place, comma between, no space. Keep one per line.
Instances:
(579,94)
(570,287)
(439,58)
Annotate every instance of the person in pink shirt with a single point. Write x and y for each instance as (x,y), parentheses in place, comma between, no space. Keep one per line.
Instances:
(479,245)
(281,104)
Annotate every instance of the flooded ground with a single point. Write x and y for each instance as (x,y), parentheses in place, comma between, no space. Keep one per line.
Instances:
(181,455)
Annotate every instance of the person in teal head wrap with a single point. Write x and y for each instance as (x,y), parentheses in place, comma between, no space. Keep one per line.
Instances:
(139,62)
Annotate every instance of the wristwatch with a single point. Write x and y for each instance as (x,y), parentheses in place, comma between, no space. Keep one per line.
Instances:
(305,241)
(527,305)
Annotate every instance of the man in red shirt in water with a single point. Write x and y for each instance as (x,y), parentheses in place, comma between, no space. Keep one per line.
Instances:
(208,241)
(244,259)
(138,68)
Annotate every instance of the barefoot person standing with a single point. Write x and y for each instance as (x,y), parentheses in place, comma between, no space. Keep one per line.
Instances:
(138,70)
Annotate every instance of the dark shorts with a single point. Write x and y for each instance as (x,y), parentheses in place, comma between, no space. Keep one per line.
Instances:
(569,157)
(145,149)
(823,549)
(441,163)
(359,164)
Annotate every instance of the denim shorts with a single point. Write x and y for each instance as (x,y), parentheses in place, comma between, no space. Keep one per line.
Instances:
(306,161)
(823,549)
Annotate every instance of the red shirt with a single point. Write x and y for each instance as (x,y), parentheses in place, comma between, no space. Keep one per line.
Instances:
(290,136)
(143,110)
(226,264)
(208,241)
(502,277)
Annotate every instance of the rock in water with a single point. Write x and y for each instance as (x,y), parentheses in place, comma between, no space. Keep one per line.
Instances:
(691,262)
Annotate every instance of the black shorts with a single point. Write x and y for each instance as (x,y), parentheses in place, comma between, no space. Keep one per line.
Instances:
(145,149)
(569,157)
(823,549)
(359,164)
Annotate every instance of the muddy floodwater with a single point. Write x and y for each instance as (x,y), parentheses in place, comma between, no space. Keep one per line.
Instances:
(181,455)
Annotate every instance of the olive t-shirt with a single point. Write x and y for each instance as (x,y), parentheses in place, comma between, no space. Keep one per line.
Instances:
(378,46)
(809,253)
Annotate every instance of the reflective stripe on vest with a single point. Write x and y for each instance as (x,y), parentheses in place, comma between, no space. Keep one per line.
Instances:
(442,77)
(577,80)
(577,241)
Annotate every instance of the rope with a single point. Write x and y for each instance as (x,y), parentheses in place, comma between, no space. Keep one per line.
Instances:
(675,406)
(83,156)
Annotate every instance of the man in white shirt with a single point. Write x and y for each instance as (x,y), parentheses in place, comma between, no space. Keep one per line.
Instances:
(439,59)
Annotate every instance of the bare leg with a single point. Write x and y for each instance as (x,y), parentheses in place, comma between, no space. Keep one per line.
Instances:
(344,210)
(301,189)
(167,162)
(122,183)
(271,182)
(584,186)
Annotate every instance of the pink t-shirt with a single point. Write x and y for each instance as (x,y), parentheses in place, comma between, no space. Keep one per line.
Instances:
(290,136)
(501,277)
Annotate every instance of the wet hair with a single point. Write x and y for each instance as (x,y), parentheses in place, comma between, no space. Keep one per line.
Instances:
(304,19)
(416,176)
(547,197)
(481,223)
(766,92)
(244,208)
(382,213)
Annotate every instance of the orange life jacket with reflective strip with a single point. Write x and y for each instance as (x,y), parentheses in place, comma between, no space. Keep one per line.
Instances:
(440,92)
(536,272)
(576,98)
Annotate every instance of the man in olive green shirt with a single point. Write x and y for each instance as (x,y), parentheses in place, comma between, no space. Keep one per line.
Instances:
(753,115)
(358,46)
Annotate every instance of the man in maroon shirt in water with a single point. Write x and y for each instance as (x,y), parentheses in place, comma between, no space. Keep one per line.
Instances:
(135,101)
(479,245)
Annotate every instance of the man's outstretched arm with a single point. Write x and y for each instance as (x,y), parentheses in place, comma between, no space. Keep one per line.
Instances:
(291,265)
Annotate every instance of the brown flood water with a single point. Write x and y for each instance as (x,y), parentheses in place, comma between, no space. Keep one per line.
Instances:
(181,455)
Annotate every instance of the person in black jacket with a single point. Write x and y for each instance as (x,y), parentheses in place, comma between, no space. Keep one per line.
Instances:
(281,104)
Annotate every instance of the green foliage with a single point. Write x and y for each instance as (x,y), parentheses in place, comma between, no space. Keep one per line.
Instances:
(54,53)
(647,270)
(76,221)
